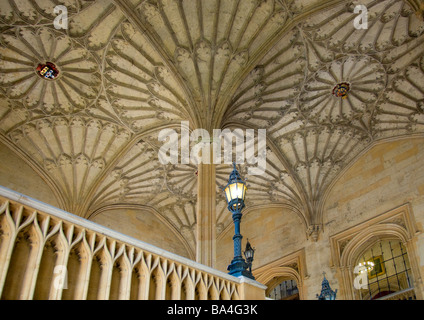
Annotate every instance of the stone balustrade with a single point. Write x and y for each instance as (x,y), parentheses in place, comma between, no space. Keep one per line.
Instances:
(47,253)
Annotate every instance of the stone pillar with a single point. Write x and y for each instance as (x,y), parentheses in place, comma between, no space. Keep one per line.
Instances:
(206,215)
(251,289)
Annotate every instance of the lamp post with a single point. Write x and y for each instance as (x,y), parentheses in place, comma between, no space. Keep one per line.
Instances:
(326,292)
(235,192)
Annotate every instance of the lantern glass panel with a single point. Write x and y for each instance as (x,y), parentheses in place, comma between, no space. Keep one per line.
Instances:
(227,193)
(241,190)
(248,253)
(236,191)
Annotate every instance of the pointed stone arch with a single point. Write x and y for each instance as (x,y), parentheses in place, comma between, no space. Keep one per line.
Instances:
(290,267)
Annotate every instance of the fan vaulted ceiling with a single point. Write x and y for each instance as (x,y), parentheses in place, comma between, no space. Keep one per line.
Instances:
(131,68)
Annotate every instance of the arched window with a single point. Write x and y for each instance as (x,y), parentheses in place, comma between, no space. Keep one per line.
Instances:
(377,259)
(382,270)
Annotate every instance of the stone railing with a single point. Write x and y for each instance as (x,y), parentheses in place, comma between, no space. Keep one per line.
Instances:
(47,253)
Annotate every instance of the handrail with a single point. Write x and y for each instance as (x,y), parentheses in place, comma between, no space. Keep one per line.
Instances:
(98,262)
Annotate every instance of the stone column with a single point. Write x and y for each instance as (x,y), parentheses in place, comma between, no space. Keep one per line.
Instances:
(206,215)
(251,290)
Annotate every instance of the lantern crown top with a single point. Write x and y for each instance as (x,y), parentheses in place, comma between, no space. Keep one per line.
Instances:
(249,246)
(235,175)
(326,292)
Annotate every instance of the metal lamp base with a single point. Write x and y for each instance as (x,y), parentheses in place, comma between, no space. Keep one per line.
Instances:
(238,267)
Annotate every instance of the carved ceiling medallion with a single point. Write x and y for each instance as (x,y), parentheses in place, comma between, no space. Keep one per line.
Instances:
(341,90)
(73,89)
(47,71)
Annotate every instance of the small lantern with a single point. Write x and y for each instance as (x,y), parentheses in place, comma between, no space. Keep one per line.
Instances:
(249,252)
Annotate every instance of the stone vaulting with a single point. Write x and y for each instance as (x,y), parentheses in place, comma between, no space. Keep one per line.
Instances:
(128,69)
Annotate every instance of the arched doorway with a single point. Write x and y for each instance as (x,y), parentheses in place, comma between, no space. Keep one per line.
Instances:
(283,283)
(284,277)
(285,289)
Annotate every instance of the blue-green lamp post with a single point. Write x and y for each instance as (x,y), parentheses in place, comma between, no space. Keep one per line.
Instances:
(235,192)
(326,292)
